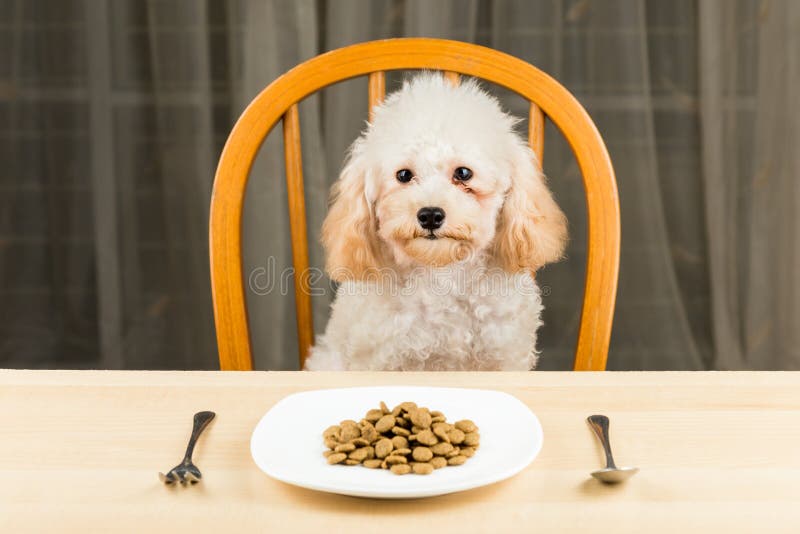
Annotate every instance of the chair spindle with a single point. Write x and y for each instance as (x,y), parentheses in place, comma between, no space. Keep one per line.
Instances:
(297,225)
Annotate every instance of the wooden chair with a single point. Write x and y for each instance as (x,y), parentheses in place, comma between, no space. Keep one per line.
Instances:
(280,99)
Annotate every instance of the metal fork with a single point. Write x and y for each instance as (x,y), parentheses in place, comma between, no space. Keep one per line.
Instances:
(186,471)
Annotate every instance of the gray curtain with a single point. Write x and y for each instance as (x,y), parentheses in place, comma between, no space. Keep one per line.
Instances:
(113,114)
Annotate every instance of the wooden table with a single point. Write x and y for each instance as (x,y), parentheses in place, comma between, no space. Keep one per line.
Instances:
(79,450)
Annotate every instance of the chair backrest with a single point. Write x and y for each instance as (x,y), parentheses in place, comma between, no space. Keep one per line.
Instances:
(280,99)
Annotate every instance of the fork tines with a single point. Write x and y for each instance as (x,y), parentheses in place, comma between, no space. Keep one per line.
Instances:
(177,476)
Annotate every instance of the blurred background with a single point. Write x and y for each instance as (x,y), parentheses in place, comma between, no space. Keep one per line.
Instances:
(113,114)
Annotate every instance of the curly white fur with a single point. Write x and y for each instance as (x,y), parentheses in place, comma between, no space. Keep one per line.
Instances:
(459,297)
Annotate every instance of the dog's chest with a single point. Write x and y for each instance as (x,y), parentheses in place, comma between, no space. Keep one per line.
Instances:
(463,305)
(477,322)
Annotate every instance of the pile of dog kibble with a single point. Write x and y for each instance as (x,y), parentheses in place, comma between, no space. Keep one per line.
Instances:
(406,439)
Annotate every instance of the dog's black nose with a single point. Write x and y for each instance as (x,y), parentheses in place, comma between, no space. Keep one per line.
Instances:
(430,218)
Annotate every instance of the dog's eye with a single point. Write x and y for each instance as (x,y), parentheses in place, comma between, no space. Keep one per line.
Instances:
(404,175)
(462,174)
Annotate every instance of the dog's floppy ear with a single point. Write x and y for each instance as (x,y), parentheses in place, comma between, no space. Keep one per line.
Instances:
(531,228)
(348,232)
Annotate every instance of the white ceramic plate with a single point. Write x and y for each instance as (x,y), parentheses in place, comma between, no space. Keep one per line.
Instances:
(287,442)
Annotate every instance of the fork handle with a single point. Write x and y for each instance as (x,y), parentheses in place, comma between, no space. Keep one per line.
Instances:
(201,421)
(599,424)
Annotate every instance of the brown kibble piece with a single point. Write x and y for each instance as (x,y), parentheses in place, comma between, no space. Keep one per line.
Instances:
(373,464)
(360,442)
(384,408)
(401,469)
(336,458)
(349,432)
(351,462)
(456,460)
(456,436)
(373,415)
(469,452)
(408,406)
(472,439)
(399,421)
(440,449)
(345,447)
(359,454)
(400,431)
(402,452)
(438,462)
(422,454)
(400,442)
(331,431)
(426,437)
(455,452)
(369,433)
(331,443)
(422,468)
(441,431)
(383,448)
(395,459)
(328,453)
(421,418)
(466,426)
(385,423)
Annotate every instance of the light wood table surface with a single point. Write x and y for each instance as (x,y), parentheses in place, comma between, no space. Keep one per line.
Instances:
(79,451)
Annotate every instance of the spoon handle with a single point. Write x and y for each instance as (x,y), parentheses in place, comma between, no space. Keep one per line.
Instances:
(599,424)
(201,420)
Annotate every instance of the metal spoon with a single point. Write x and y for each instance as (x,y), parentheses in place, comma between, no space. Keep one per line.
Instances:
(611,474)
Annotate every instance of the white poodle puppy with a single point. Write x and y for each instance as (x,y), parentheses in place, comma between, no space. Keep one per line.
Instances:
(437,225)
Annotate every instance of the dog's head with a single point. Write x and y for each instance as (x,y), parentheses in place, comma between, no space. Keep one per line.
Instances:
(439,176)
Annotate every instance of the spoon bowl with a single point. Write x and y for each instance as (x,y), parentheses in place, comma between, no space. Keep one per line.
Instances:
(611,474)
(615,475)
